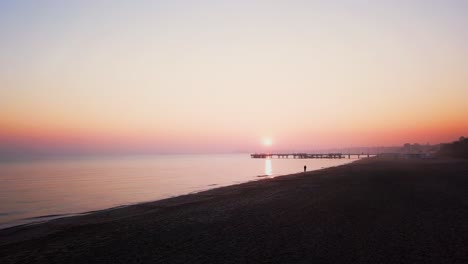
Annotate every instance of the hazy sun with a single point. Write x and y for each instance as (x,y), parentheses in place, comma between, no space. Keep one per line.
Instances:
(267,141)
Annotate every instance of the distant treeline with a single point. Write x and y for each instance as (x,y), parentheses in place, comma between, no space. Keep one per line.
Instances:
(456,149)
(419,148)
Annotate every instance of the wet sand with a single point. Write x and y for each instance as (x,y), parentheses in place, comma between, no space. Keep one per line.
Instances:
(370,211)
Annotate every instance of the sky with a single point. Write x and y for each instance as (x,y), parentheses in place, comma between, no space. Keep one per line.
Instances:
(229,76)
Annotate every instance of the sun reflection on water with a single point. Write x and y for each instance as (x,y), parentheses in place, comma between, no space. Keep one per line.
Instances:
(268,168)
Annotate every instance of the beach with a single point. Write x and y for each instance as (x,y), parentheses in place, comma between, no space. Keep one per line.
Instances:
(369,211)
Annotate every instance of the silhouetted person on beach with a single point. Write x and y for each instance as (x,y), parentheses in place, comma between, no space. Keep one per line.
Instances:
(305,168)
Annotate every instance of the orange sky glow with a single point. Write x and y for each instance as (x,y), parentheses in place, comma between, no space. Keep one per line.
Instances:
(214,77)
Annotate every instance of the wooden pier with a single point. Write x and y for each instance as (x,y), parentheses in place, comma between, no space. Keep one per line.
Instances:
(307,155)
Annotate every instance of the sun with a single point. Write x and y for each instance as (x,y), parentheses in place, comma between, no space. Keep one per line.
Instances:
(267,141)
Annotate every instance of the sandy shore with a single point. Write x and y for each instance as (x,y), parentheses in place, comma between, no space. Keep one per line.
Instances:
(371,211)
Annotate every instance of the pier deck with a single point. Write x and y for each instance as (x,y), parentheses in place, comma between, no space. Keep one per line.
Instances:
(307,155)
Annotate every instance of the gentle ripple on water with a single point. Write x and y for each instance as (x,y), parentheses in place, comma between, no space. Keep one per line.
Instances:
(66,186)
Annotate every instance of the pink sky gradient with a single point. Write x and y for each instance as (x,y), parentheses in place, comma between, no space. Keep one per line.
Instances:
(179,77)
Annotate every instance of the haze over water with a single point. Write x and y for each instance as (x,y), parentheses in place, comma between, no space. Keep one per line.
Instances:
(76,185)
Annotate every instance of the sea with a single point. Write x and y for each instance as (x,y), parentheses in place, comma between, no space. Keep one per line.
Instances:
(38,190)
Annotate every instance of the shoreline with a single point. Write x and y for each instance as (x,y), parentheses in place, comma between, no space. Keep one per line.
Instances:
(368,211)
(41,219)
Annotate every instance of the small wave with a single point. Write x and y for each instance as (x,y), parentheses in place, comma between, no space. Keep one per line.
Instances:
(11,213)
(46,216)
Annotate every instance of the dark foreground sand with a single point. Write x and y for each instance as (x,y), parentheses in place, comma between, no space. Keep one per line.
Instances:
(371,211)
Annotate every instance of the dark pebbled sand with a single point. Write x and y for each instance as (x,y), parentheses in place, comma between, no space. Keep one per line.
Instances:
(371,211)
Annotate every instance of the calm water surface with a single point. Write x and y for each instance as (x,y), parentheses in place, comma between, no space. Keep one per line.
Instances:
(30,189)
